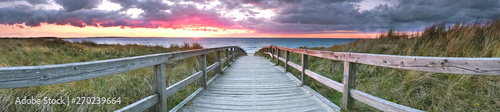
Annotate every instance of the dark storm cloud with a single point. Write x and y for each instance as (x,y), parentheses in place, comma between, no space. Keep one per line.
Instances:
(319,15)
(34,2)
(33,17)
(292,16)
(72,5)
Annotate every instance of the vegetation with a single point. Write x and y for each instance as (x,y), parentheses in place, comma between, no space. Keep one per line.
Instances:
(129,86)
(421,90)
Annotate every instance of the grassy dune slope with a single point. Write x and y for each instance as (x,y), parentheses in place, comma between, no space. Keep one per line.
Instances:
(130,86)
(421,90)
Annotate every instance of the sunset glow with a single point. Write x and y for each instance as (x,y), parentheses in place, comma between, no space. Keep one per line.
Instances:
(219,18)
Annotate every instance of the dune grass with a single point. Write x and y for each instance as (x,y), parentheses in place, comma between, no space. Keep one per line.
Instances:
(129,86)
(421,90)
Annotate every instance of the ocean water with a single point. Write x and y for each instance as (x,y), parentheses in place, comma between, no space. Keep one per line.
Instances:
(250,45)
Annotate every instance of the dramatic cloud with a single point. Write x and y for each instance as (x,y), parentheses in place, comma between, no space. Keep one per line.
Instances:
(35,2)
(282,16)
(72,5)
(322,15)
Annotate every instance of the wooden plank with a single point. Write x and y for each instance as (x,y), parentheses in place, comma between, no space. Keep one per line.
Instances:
(140,105)
(272,53)
(232,54)
(27,76)
(255,89)
(212,67)
(185,101)
(219,67)
(379,103)
(224,60)
(203,68)
(349,83)
(227,57)
(172,89)
(287,59)
(331,83)
(475,66)
(323,99)
(326,81)
(161,84)
(212,79)
(305,65)
(180,55)
(296,66)
(278,55)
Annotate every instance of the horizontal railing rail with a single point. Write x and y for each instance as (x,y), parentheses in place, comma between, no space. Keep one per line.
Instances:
(28,76)
(473,66)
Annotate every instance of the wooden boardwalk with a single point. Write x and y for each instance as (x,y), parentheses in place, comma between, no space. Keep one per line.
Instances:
(252,83)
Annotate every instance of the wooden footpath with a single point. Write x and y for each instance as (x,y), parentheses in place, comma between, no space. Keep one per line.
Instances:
(252,83)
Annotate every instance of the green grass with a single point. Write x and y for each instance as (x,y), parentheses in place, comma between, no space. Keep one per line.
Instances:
(421,90)
(129,86)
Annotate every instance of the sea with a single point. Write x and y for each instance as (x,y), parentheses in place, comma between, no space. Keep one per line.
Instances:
(250,45)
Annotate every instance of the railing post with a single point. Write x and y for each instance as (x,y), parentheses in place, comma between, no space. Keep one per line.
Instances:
(305,64)
(272,53)
(287,57)
(227,57)
(278,57)
(349,83)
(219,68)
(161,88)
(232,54)
(203,68)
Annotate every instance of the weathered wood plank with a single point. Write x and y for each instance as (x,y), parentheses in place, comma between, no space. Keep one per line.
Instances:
(174,88)
(212,67)
(219,67)
(14,77)
(296,66)
(227,57)
(246,86)
(349,83)
(278,55)
(326,81)
(476,66)
(203,68)
(303,76)
(140,105)
(212,79)
(161,84)
(323,99)
(287,59)
(379,103)
(232,54)
(185,101)
(331,83)
(27,76)
(180,55)
(224,60)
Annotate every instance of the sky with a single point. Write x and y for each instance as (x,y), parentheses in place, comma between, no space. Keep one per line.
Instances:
(233,18)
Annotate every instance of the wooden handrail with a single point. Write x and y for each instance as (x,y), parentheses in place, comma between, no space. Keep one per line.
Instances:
(28,76)
(455,65)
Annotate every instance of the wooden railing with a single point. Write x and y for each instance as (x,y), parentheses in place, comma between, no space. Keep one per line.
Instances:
(473,66)
(28,76)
